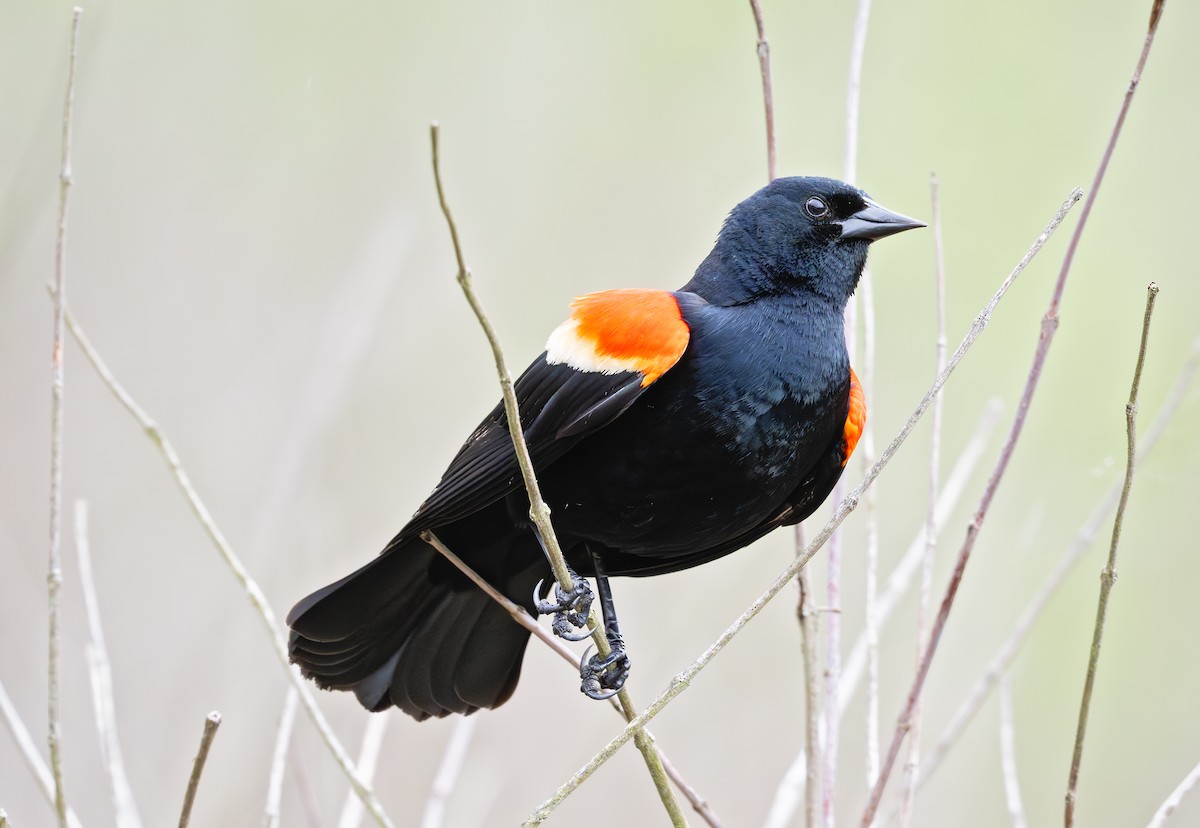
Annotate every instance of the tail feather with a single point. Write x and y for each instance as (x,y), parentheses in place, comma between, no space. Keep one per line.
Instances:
(408,630)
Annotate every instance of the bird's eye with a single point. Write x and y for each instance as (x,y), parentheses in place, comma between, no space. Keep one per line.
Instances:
(816,207)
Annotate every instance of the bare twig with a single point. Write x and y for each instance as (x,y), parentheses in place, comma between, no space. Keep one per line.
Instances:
(787,794)
(1171,803)
(680,682)
(858,46)
(812,697)
(29,752)
(368,757)
(871,573)
(1008,758)
(283,738)
(100,670)
(833,625)
(447,773)
(1045,339)
(57,386)
(523,618)
(1007,652)
(211,722)
(539,511)
(1109,574)
(253,591)
(930,556)
(764,67)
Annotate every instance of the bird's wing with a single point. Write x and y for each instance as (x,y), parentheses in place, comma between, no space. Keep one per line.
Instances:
(613,346)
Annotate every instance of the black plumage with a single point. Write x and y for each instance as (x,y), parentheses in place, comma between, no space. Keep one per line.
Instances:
(745,432)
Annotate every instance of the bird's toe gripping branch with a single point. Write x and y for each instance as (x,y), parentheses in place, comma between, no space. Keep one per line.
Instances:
(570,608)
(604,677)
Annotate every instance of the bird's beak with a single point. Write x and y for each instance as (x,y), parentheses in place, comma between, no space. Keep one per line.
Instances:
(874,222)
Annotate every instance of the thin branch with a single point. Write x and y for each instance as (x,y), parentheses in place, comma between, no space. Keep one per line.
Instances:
(1172,802)
(1007,652)
(368,757)
(29,752)
(1045,339)
(523,618)
(787,794)
(764,67)
(211,722)
(680,682)
(812,697)
(871,573)
(1109,574)
(539,511)
(100,670)
(1008,758)
(57,387)
(283,738)
(833,625)
(931,536)
(858,46)
(448,772)
(258,598)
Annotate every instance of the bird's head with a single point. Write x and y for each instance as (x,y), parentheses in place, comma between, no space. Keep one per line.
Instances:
(801,233)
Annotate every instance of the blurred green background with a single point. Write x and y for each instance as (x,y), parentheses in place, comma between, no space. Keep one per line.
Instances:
(255,246)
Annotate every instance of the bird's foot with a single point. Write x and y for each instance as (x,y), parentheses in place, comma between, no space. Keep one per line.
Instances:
(604,677)
(569,608)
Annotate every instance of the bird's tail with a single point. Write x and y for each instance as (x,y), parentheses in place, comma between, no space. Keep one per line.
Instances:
(409,630)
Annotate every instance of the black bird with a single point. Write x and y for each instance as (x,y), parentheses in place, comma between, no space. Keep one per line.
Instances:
(667,429)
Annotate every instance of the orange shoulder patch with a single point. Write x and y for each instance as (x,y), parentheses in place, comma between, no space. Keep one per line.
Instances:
(614,331)
(855,419)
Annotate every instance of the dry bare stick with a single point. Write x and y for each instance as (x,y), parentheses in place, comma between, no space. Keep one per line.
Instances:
(29,752)
(1004,656)
(447,773)
(681,681)
(764,66)
(833,624)
(57,386)
(523,618)
(1046,337)
(539,511)
(930,557)
(871,566)
(1008,758)
(211,722)
(253,591)
(368,757)
(100,670)
(1171,803)
(1109,574)
(812,696)
(283,737)
(787,794)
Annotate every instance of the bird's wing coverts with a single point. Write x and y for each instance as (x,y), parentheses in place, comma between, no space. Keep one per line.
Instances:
(613,346)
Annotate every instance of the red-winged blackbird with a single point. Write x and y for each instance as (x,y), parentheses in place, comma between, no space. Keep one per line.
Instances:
(667,429)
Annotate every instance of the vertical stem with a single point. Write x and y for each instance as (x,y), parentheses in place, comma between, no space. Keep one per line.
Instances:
(764,67)
(1109,574)
(211,722)
(812,697)
(283,738)
(929,557)
(54,577)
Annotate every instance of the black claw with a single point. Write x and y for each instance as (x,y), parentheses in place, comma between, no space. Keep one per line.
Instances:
(604,677)
(570,609)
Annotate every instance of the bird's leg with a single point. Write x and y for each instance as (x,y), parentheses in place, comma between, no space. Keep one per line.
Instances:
(604,677)
(570,608)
